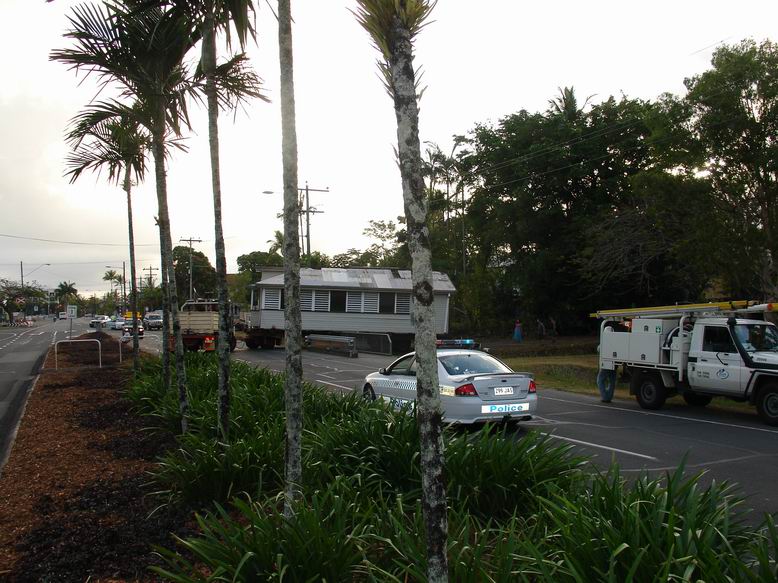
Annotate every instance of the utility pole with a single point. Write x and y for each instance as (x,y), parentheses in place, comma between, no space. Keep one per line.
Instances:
(151,271)
(190,240)
(308,212)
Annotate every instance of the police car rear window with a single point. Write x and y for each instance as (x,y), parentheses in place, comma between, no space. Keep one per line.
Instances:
(456,364)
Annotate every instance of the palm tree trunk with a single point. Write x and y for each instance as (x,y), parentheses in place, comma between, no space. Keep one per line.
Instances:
(294,363)
(133,289)
(163,282)
(223,340)
(423,315)
(158,139)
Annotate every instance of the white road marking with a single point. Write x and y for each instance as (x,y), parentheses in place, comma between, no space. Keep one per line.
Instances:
(699,465)
(614,408)
(337,385)
(597,445)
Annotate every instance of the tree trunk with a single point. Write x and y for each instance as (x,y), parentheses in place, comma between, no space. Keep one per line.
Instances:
(423,316)
(163,283)
(223,340)
(158,139)
(294,365)
(133,289)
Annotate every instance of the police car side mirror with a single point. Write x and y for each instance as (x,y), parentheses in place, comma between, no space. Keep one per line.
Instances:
(381,371)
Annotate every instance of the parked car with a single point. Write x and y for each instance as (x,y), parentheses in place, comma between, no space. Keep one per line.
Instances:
(99,321)
(127,328)
(63,315)
(153,321)
(117,324)
(474,386)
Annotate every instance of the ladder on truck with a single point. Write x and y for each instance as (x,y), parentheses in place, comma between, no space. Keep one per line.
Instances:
(732,307)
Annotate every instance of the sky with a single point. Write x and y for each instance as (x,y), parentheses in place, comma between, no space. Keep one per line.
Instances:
(481,61)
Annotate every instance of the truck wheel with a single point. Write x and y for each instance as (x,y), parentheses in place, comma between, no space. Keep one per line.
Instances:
(268,343)
(651,393)
(233,343)
(252,343)
(696,400)
(767,404)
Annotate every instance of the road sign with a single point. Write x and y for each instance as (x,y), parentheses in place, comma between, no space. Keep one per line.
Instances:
(72,312)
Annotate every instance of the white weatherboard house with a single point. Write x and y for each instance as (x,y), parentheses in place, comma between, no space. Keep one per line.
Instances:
(360,302)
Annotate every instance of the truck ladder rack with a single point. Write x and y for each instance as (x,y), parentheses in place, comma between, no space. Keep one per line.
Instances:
(680,310)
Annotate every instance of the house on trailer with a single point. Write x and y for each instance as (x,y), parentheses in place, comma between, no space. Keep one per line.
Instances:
(371,304)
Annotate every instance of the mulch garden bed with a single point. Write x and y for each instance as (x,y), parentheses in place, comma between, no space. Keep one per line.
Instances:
(75,501)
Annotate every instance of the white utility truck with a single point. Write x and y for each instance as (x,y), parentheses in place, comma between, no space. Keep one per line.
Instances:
(199,320)
(699,351)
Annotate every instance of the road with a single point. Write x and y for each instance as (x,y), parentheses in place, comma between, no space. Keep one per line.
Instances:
(22,351)
(727,445)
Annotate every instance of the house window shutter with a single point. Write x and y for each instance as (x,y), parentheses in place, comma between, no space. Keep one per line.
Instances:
(354,301)
(402,304)
(306,300)
(370,302)
(271,299)
(321,301)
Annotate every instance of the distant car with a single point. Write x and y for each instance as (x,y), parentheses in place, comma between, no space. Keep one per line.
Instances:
(63,316)
(99,321)
(127,328)
(117,324)
(153,321)
(474,386)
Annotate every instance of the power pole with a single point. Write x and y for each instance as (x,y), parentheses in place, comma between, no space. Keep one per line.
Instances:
(190,240)
(151,274)
(308,212)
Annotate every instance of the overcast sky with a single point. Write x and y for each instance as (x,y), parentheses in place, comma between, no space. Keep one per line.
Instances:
(481,60)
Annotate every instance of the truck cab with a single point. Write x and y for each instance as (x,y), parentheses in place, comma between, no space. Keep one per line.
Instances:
(700,352)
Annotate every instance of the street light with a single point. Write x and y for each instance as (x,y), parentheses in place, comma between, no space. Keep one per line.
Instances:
(21,269)
(124,284)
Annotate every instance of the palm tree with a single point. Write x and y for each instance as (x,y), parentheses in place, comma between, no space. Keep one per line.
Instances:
(219,14)
(276,243)
(66,290)
(141,51)
(566,104)
(393,26)
(293,471)
(120,145)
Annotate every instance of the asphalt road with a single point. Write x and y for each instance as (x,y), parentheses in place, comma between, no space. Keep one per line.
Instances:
(22,351)
(726,445)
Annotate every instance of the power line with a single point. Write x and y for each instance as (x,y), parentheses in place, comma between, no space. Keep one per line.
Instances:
(76,242)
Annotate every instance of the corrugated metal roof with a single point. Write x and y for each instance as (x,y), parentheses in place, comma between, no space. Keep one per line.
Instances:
(357,278)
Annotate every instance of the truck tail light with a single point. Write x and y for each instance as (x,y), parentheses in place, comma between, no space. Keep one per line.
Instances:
(467,390)
(533,388)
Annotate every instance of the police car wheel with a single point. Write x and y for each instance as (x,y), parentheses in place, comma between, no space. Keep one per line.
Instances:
(368,393)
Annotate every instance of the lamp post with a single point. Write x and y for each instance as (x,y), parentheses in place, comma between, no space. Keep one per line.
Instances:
(308,211)
(124,284)
(21,269)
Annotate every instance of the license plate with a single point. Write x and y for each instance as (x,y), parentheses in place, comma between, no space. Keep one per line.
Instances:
(503,390)
(505,408)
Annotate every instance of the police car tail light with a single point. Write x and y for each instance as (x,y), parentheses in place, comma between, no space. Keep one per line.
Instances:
(467,390)
(533,388)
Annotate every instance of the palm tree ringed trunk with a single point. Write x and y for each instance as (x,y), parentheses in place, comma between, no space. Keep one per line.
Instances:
(428,411)
(294,365)
(158,147)
(163,282)
(133,289)
(223,340)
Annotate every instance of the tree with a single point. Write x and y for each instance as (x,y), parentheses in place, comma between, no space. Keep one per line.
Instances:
(66,290)
(221,13)
(14,296)
(393,26)
(734,115)
(293,471)
(121,146)
(141,51)
(203,274)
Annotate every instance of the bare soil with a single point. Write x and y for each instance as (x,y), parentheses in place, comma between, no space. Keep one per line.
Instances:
(75,500)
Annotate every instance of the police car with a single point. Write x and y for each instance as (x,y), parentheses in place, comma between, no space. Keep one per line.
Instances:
(474,385)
